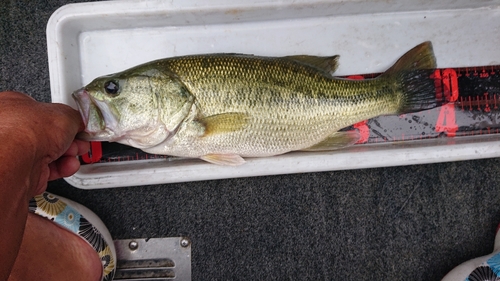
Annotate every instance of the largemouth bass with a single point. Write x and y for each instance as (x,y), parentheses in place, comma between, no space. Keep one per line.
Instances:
(224,107)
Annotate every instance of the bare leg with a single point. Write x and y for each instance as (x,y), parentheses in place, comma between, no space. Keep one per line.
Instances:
(49,252)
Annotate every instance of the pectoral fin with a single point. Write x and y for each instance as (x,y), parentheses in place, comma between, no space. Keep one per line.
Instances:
(327,64)
(336,141)
(224,123)
(224,159)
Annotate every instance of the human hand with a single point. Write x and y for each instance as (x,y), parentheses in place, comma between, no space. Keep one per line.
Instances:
(45,133)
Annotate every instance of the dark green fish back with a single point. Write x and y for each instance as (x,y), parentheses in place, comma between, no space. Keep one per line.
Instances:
(257,85)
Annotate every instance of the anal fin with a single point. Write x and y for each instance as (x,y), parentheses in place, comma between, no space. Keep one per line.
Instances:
(336,141)
(224,159)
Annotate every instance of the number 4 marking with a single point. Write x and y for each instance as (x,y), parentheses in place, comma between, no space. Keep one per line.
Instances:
(95,153)
(447,86)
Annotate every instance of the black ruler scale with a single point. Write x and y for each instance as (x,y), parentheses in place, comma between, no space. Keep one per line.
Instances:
(471,98)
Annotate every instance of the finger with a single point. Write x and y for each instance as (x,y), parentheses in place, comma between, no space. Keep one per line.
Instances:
(73,114)
(77,148)
(72,150)
(66,120)
(83,146)
(63,167)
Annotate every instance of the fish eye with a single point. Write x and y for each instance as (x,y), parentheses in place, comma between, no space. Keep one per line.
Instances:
(111,87)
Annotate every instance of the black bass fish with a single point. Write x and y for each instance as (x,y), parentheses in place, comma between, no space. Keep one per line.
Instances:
(224,107)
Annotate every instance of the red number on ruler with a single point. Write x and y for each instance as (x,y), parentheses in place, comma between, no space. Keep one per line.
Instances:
(446,85)
(364,131)
(95,153)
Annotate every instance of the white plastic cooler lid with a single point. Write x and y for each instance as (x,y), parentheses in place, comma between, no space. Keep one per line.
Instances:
(93,39)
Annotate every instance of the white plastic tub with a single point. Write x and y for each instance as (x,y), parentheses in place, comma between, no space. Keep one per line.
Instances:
(92,39)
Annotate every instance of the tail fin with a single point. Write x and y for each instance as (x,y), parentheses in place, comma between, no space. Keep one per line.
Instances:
(412,72)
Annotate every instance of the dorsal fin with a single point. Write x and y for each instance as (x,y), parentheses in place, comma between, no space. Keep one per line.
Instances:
(420,57)
(325,64)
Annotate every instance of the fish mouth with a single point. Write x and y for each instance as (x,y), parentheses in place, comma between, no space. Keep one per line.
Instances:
(83,103)
(99,122)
